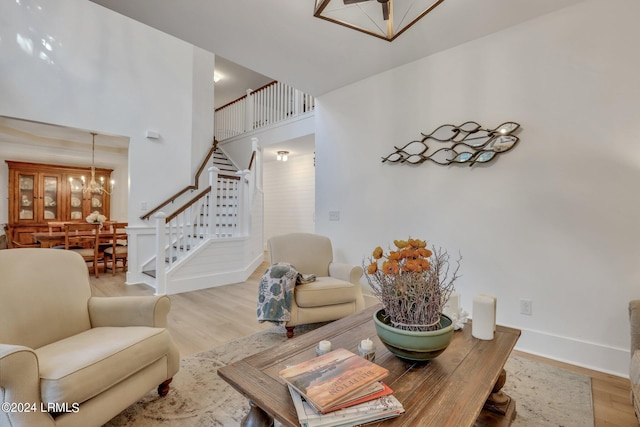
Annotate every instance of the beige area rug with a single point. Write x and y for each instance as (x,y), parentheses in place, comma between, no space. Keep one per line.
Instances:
(545,395)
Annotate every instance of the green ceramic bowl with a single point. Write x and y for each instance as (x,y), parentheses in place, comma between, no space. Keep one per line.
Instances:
(414,345)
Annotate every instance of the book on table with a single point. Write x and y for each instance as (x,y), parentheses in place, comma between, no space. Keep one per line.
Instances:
(377,390)
(378,409)
(329,381)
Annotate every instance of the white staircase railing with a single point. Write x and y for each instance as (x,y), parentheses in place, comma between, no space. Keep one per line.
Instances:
(262,107)
(220,211)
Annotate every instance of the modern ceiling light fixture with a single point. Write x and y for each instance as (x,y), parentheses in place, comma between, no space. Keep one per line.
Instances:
(93,186)
(283,156)
(386,19)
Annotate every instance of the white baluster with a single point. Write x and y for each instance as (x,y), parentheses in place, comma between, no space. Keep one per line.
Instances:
(240,204)
(168,254)
(185,232)
(281,101)
(259,110)
(161,276)
(249,112)
(213,201)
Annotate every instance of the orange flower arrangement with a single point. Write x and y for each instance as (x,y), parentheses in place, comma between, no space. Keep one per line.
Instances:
(412,282)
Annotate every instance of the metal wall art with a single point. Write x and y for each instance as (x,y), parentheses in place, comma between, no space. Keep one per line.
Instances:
(464,144)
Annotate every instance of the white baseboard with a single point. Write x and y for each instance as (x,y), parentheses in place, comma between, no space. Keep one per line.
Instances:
(212,280)
(133,278)
(597,357)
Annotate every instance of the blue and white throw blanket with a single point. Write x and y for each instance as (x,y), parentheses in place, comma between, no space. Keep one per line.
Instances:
(275,293)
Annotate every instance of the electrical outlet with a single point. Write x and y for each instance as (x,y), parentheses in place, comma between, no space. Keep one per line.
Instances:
(525,307)
(334,215)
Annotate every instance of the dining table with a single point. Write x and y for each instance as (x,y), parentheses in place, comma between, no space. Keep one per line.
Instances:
(55,238)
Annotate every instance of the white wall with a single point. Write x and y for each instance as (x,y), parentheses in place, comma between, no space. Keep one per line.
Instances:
(553,220)
(239,148)
(289,196)
(108,73)
(77,64)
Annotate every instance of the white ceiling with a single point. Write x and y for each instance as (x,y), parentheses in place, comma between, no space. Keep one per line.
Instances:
(281,38)
(256,42)
(20,131)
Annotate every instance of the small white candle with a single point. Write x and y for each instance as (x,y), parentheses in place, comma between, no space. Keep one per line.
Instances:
(324,346)
(452,307)
(484,317)
(366,345)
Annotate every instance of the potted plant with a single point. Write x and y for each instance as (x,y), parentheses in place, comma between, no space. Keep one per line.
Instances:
(413,283)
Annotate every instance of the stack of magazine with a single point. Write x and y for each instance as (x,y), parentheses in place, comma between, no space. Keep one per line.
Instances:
(340,388)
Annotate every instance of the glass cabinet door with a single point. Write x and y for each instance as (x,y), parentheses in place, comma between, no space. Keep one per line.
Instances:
(50,197)
(26,196)
(75,199)
(97,203)
(97,200)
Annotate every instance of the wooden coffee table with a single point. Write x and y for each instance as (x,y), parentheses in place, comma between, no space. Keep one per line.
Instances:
(461,387)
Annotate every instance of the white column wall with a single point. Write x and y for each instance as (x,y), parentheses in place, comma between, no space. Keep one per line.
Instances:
(554,220)
(203,95)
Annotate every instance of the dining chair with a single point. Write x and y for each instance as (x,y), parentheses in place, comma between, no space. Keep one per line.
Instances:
(58,226)
(13,244)
(106,229)
(83,238)
(118,249)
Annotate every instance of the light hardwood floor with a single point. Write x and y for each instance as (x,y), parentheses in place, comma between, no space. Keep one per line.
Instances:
(203,319)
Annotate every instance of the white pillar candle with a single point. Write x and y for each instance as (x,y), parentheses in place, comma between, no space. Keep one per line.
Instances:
(484,317)
(452,307)
(366,345)
(324,346)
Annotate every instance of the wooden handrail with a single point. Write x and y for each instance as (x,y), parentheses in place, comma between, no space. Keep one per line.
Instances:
(206,160)
(231,103)
(191,187)
(189,203)
(228,176)
(253,156)
(264,87)
(244,96)
(166,202)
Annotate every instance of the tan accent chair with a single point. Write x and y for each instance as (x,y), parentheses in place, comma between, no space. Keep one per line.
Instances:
(62,350)
(634,368)
(335,294)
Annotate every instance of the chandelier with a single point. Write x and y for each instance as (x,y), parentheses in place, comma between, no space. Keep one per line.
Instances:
(386,19)
(93,186)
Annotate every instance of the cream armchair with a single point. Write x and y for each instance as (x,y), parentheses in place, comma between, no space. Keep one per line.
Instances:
(336,293)
(70,359)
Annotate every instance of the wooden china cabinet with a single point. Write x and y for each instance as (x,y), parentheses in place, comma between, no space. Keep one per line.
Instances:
(39,193)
